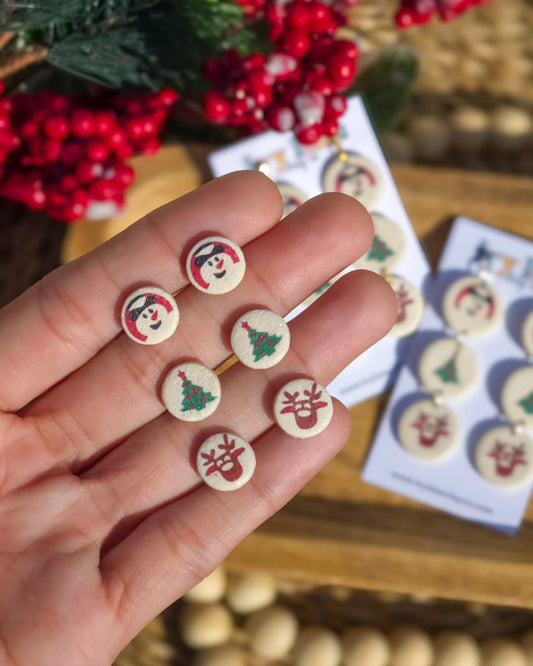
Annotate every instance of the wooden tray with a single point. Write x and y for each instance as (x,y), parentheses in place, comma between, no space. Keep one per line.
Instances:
(339,529)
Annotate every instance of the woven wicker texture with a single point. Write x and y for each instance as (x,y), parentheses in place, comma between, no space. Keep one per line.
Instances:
(488,48)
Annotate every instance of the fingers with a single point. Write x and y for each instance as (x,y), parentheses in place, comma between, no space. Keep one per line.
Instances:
(60,323)
(177,546)
(117,392)
(154,465)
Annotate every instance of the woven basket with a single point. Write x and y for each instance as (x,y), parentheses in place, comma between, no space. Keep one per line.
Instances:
(337,608)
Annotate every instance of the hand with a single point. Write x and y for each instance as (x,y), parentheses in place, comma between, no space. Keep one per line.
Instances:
(104,521)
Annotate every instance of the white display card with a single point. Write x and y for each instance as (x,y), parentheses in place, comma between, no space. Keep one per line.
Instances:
(453,483)
(300,166)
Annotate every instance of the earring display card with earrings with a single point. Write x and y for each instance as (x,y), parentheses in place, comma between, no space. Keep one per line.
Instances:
(353,164)
(457,433)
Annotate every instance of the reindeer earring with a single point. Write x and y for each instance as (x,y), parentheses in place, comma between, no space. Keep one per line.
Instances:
(385,253)
(448,369)
(303,408)
(504,455)
(225,461)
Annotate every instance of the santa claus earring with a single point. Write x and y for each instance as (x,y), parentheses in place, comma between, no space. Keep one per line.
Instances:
(504,455)
(385,253)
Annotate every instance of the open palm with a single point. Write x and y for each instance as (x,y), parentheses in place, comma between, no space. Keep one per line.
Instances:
(103,518)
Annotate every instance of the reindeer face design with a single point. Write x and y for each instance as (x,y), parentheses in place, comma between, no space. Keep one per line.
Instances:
(225,461)
(430,428)
(507,457)
(303,408)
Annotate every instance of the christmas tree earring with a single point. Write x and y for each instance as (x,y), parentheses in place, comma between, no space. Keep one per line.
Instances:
(260,339)
(385,253)
(191,392)
(504,455)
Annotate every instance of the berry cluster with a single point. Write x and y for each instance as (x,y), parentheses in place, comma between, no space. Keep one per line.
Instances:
(295,87)
(419,12)
(67,156)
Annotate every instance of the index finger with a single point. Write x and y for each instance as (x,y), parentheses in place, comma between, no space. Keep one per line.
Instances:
(66,318)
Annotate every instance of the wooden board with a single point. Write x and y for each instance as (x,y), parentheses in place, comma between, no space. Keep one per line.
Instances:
(340,529)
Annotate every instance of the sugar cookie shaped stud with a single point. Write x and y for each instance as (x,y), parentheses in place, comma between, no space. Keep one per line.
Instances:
(191,392)
(225,461)
(527,334)
(387,249)
(428,430)
(303,408)
(354,175)
(504,457)
(149,315)
(292,197)
(260,339)
(410,306)
(448,368)
(215,265)
(472,306)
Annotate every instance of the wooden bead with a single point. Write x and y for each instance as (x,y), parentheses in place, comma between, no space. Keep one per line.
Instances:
(456,648)
(502,652)
(430,137)
(222,655)
(272,632)
(250,591)
(317,646)
(410,647)
(211,588)
(365,646)
(205,625)
(470,129)
(510,126)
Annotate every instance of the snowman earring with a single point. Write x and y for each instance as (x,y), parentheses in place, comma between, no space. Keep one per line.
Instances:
(291,196)
(149,315)
(215,265)
(504,455)
(354,175)
(385,253)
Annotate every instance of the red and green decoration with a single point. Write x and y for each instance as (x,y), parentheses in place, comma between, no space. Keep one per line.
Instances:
(448,372)
(263,344)
(527,403)
(419,12)
(215,69)
(379,250)
(194,396)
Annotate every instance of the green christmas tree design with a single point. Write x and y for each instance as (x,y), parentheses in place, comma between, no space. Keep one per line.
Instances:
(263,344)
(448,372)
(527,403)
(194,397)
(379,250)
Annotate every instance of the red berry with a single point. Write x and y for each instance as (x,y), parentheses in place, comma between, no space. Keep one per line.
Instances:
(330,127)
(124,175)
(149,126)
(320,20)
(123,151)
(335,106)
(51,150)
(6,105)
(216,106)
(322,85)
(81,123)
(97,150)
(296,43)
(116,138)
(72,153)
(104,122)
(58,103)
(29,128)
(134,128)
(167,97)
(35,199)
(341,70)
(85,171)
(253,61)
(80,196)
(298,16)
(346,48)
(149,146)
(309,134)
(56,127)
(4,122)
(68,182)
